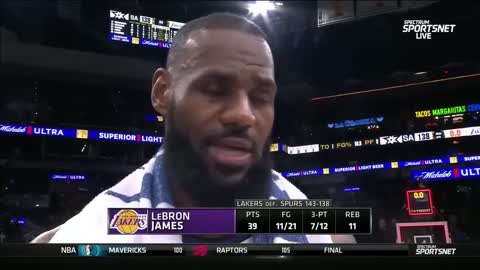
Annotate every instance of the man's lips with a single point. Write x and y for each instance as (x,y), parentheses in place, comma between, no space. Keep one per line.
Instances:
(231,151)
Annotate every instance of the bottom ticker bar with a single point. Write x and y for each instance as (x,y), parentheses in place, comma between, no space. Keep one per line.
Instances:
(200,250)
(313,250)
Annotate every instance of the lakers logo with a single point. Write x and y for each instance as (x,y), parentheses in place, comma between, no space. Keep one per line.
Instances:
(128,221)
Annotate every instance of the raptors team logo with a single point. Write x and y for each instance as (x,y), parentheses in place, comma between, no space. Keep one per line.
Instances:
(128,221)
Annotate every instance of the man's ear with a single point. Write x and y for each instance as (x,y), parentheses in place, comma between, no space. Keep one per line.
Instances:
(161,92)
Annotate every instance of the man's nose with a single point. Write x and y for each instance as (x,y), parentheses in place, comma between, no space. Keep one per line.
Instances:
(238,112)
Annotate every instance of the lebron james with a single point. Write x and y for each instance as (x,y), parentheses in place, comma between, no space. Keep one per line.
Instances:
(217,95)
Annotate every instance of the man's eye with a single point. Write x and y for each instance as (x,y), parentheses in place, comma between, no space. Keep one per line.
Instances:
(262,96)
(214,90)
(261,99)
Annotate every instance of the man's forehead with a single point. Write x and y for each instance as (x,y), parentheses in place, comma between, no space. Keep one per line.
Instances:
(207,46)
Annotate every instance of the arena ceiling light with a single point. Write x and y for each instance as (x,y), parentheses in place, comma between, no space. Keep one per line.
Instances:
(261,7)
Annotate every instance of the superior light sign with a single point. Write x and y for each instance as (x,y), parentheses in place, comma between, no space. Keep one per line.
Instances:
(79,133)
(113,136)
(85,134)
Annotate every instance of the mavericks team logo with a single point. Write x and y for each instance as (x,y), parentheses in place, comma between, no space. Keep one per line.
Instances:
(128,221)
(89,250)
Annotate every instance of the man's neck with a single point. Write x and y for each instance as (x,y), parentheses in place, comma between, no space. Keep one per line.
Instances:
(182,199)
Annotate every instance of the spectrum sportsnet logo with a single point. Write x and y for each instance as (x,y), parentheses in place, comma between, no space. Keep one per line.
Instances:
(423,29)
(433,250)
(13,129)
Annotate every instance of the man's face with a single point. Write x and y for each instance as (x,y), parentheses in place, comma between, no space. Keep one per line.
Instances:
(223,95)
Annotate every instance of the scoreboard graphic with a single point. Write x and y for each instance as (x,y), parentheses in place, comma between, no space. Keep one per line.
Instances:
(142,30)
(266,217)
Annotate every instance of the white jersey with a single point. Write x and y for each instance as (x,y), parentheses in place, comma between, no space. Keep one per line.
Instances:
(144,189)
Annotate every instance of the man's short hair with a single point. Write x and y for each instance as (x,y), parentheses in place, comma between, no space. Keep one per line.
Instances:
(221,20)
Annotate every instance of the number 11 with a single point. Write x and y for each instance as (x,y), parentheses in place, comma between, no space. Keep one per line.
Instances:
(353,226)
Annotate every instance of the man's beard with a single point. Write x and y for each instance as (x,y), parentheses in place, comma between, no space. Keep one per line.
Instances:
(186,170)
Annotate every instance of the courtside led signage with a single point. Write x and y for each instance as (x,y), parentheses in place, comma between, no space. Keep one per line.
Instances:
(449,110)
(469,158)
(354,123)
(473,107)
(433,175)
(55,132)
(423,175)
(152,117)
(421,114)
(68,177)
(351,189)
(446,174)
(14,129)
(275,147)
(396,139)
(422,162)
(461,132)
(302,149)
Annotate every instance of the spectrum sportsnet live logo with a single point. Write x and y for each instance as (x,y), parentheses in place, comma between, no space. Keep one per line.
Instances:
(423,29)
